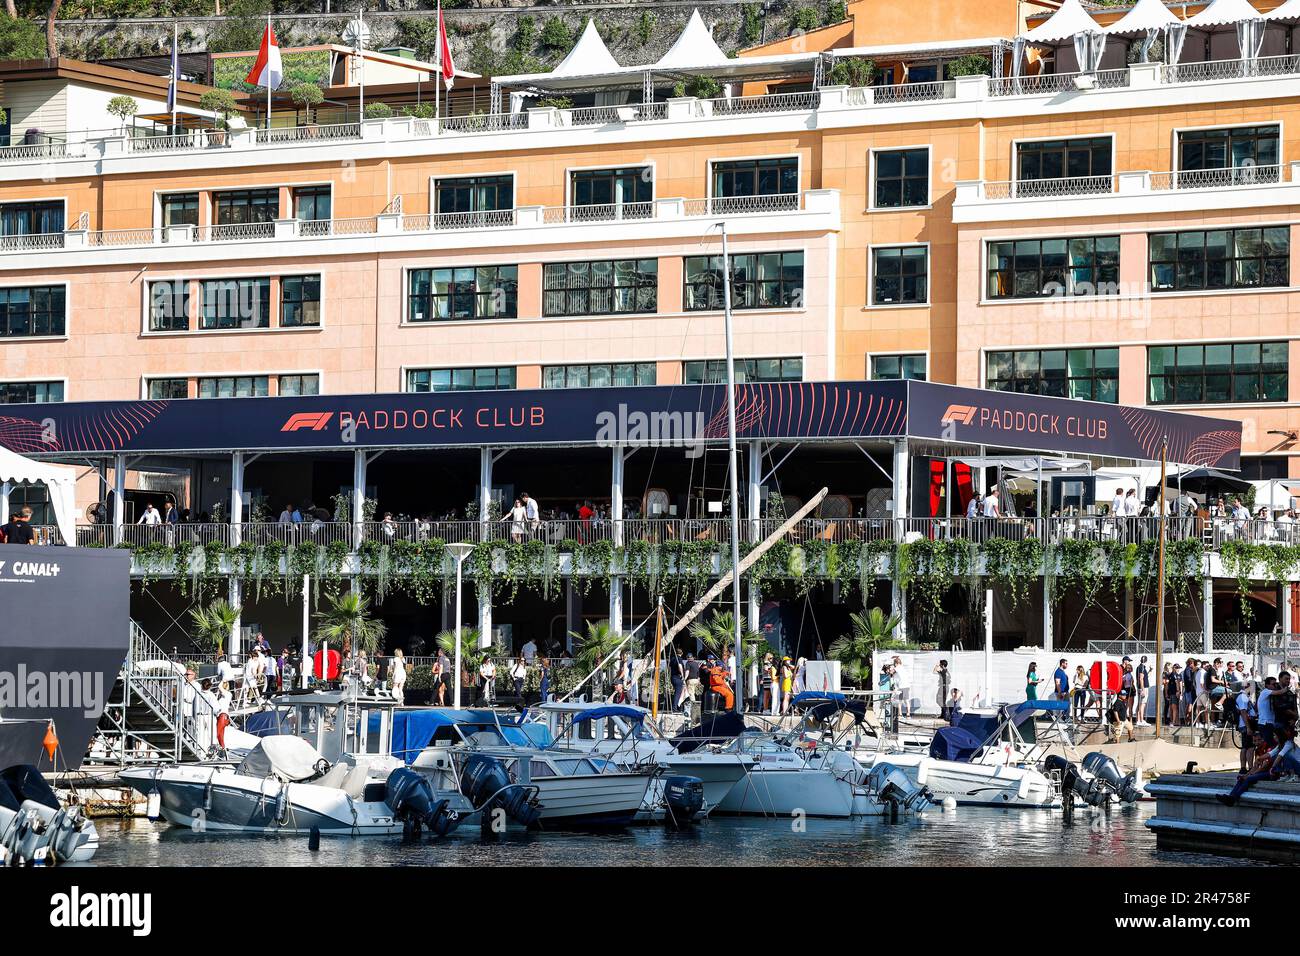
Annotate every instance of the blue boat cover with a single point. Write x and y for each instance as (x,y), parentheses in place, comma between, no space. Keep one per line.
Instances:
(1045,706)
(814,696)
(979,725)
(953,743)
(414,729)
(635,714)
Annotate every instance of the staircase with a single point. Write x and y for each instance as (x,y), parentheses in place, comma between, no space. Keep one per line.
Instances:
(148,716)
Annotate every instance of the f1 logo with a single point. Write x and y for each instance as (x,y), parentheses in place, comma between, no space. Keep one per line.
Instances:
(313,420)
(961,414)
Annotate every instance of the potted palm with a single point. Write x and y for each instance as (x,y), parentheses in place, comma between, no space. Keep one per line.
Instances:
(868,633)
(347,623)
(213,625)
(590,649)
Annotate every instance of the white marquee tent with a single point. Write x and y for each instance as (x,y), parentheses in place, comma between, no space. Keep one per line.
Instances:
(59,480)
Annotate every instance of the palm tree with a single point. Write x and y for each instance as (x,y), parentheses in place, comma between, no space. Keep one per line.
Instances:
(868,633)
(214,624)
(592,647)
(471,655)
(718,633)
(347,622)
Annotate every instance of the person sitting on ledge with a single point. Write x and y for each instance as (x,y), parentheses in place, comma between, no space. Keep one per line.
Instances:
(1276,763)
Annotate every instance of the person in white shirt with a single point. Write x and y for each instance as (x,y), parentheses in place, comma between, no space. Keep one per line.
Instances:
(225,673)
(518,674)
(1117,503)
(530,511)
(286,516)
(991,509)
(397,676)
(903,684)
(1131,504)
(973,506)
(487,676)
(518,518)
(150,515)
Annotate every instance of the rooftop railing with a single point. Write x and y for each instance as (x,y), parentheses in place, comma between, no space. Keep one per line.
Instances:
(1048,188)
(308,134)
(1040,83)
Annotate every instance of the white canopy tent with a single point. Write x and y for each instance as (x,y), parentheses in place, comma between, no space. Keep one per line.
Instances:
(1072,33)
(589,55)
(695,47)
(1148,20)
(1232,29)
(59,480)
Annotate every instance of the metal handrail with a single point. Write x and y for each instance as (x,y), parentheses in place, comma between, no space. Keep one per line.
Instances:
(1217,178)
(1057,82)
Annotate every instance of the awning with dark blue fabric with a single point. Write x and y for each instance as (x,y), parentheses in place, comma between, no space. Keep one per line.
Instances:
(953,743)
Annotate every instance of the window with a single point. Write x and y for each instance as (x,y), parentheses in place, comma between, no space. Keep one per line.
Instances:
(598,376)
(1220,259)
(469,200)
(1035,268)
(1236,151)
(33,310)
(1262,467)
(902,178)
(240,209)
(299,385)
(600,288)
(612,193)
(164,388)
(27,393)
(714,371)
(467,292)
(898,366)
(1063,373)
(1217,374)
(169,305)
(764,280)
(237,386)
(458,379)
(180,209)
(899,275)
(299,301)
(312,206)
(1085,158)
(21,219)
(735,182)
(236,304)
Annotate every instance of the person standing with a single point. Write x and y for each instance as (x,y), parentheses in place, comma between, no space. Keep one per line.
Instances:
(972,512)
(518,518)
(1061,681)
(1189,690)
(787,684)
(767,688)
(991,507)
(397,676)
(1142,684)
(1080,689)
(692,677)
(676,678)
(903,681)
(518,674)
(531,514)
(487,675)
(944,694)
(544,678)
(19,529)
(1246,715)
(439,685)
(150,515)
(1032,680)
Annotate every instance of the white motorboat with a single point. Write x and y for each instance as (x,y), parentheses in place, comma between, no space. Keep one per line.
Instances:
(627,736)
(35,827)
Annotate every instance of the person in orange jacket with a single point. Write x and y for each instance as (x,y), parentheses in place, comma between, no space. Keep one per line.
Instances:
(718,684)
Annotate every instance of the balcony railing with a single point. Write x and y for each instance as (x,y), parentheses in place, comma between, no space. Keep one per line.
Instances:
(31,242)
(484,219)
(1047,188)
(482,123)
(599,212)
(1058,83)
(763,103)
(28,152)
(742,205)
(914,92)
(1216,178)
(1231,69)
(171,143)
(308,134)
(234,231)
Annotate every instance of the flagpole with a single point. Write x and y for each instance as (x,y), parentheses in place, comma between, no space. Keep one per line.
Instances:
(268,79)
(175,70)
(361,65)
(437,75)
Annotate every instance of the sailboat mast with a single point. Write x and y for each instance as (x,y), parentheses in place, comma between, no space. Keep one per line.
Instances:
(734,476)
(1160,590)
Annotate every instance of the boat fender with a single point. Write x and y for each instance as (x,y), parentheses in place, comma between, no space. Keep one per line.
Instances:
(153,806)
(313,839)
(950,803)
(923,771)
(282,805)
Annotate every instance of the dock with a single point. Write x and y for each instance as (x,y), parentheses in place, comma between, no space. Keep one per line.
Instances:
(1264,824)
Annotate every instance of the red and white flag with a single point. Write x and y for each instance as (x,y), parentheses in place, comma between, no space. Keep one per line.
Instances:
(267,69)
(447,67)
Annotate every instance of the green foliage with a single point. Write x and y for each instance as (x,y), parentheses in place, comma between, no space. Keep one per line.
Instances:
(803,19)
(645,28)
(305,66)
(123,107)
(211,626)
(972,64)
(378,111)
(419,111)
(525,38)
(591,647)
(556,35)
(836,12)
(471,655)
(555,102)
(702,87)
(1013,565)
(868,633)
(305,96)
(926,569)
(242,29)
(717,633)
(21,39)
(347,623)
(221,102)
(751,24)
(852,71)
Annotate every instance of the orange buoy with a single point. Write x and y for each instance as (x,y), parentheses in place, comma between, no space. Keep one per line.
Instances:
(51,741)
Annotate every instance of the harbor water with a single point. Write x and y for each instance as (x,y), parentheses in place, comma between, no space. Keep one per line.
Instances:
(965,837)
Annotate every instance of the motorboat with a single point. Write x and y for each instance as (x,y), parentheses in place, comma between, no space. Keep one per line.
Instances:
(336,776)
(35,828)
(949,770)
(572,788)
(626,735)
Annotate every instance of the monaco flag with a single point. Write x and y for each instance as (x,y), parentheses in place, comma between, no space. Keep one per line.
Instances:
(448,68)
(267,69)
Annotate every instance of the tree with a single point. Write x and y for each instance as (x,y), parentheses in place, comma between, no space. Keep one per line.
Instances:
(592,647)
(645,27)
(242,30)
(378,111)
(804,19)
(853,71)
(347,623)
(51,40)
(868,633)
(556,35)
(123,107)
(305,96)
(213,625)
(702,87)
(221,102)
(20,39)
(717,635)
(471,655)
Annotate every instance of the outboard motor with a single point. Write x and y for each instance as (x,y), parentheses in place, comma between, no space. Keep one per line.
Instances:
(1086,790)
(411,798)
(487,785)
(684,798)
(33,824)
(893,786)
(1106,770)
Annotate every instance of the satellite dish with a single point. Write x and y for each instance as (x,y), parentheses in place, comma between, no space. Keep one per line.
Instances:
(356,33)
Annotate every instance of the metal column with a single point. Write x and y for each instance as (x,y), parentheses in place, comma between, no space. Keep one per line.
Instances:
(898,597)
(119,495)
(1048,623)
(1207,613)
(754,493)
(485,460)
(616,516)
(358,515)
(988,647)
(233,595)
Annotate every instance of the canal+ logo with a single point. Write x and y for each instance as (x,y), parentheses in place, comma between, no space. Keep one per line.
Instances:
(312,420)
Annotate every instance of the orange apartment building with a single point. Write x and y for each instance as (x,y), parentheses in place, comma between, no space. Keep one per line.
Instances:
(1015,223)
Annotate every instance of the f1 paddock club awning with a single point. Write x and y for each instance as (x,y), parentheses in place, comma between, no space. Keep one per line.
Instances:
(656,416)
